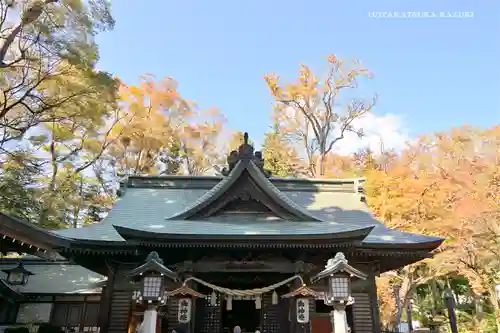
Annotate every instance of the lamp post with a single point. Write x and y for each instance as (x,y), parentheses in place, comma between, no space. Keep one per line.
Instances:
(17,276)
(151,276)
(449,300)
(338,274)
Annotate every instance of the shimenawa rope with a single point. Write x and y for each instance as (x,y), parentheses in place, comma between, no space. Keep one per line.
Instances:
(247,292)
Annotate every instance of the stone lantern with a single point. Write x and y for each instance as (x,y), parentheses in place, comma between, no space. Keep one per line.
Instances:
(151,276)
(337,276)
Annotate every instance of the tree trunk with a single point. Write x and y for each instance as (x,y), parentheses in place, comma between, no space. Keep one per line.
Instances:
(405,293)
(435,296)
(496,305)
(48,207)
(320,166)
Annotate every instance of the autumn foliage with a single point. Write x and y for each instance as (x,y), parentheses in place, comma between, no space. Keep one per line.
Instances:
(81,131)
(446,185)
(311,110)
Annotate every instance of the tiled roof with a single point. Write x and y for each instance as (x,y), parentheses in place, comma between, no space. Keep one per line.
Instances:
(55,278)
(265,185)
(149,202)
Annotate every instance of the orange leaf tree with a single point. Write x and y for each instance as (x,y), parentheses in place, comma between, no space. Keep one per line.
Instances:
(445,185)
(163,133)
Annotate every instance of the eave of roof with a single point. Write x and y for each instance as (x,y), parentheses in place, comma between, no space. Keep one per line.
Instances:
(430,245)
(29,233)
(347,234)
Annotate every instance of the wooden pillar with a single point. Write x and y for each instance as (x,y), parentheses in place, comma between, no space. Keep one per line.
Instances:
(106,297)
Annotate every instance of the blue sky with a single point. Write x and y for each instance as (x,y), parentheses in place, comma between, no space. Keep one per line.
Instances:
(432,73)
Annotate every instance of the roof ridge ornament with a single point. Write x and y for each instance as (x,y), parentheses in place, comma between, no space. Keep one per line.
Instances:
(338,264)
(153,263)
(245,153)
(122,184)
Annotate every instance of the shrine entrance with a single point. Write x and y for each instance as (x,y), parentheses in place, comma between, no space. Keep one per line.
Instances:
(243,314)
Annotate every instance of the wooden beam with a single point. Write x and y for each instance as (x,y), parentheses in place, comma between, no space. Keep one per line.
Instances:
(233,266)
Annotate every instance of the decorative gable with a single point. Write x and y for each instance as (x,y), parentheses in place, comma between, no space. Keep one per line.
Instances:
(245,196)
(245,189)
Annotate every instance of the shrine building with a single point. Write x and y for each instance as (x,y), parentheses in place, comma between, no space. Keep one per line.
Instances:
(242,249)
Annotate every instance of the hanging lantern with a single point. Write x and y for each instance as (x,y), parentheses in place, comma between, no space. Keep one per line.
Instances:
(258,302)
(213,299)
(184,311)
(229,303)
(302,310)
(274,298)
(17,276)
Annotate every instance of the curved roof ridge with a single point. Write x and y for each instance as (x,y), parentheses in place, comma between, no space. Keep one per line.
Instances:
(212,194)
(276,194)
(320,180)
(261,180)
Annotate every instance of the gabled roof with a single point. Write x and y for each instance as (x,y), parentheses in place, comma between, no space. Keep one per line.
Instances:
(245,204)
(149,203)
(245,179)
(276,217)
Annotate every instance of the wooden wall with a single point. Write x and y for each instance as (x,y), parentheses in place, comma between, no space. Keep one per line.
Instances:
(207,319)
(121,302)
(362,312)
(274,316)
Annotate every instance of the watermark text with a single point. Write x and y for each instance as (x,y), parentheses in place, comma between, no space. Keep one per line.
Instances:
(421,15)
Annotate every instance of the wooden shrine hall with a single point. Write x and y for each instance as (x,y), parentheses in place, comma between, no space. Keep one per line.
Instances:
(208,253)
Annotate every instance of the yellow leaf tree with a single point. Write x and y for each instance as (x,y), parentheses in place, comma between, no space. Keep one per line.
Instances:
(445,185)
(44,43)
(312,112)
(163,133)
